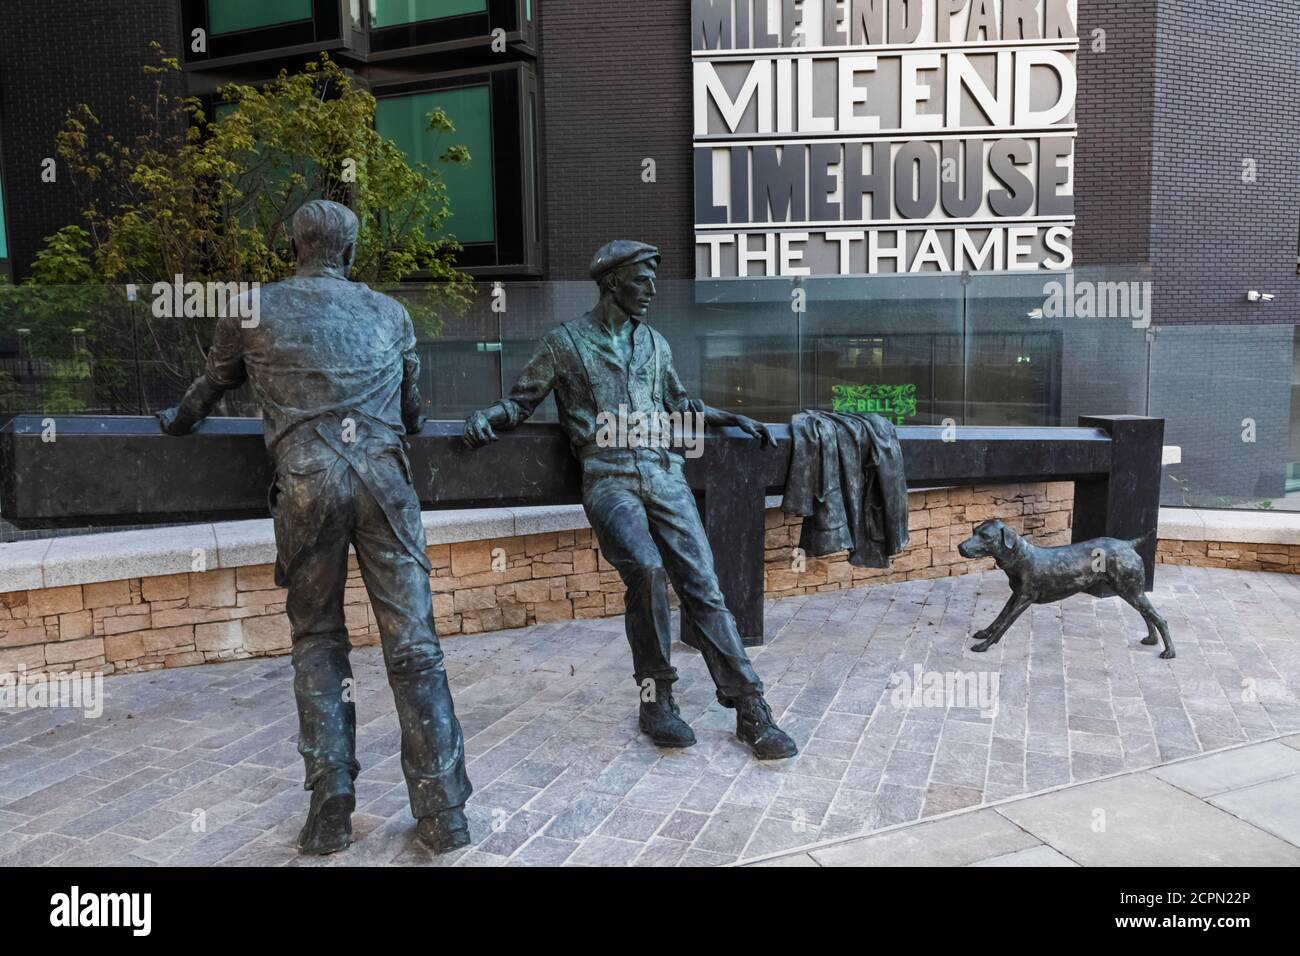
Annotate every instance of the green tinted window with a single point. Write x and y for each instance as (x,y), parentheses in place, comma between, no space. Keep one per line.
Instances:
(387,13)
(4,232)
(228,16)
(404,120)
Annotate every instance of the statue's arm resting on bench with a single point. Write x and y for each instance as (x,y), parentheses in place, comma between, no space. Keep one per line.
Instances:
(677,400)
(412,417)
(530,390)
(412,405)
(224,371)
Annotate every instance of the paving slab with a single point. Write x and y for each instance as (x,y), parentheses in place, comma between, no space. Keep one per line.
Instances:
(953,841)
(1274,806)
(1232,769)
(1033,856)
(798,859)
(1139,820)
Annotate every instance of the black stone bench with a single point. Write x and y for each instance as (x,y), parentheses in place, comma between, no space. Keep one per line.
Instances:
(122,471)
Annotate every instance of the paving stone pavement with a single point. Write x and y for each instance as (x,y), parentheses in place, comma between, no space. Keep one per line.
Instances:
(1234,807)
(895,719)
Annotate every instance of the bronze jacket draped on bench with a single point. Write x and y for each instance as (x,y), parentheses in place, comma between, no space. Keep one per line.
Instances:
(847,481)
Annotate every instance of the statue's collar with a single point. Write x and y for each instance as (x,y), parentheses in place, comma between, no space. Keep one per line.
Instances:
(321,272)
(597,336)
(602,323)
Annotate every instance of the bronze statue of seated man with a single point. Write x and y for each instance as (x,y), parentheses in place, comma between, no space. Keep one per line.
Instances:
(610,365)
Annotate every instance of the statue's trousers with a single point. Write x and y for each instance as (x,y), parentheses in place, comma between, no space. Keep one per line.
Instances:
(334,489)
(648,526)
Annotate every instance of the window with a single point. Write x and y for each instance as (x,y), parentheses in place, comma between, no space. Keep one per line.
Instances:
(4,229)
(243,31)
(232,16)
(399,28)
(495,208)
(404,120)
(6,267)
(387,13)
(251,31)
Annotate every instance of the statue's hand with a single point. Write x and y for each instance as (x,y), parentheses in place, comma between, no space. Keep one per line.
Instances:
(478,430)
(168,423)
(755,429)
(416,426)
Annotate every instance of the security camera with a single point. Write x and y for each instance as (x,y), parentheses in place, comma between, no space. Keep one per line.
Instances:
(1254,296)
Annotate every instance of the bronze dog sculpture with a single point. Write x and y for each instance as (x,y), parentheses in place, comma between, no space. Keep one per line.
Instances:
(1102,567)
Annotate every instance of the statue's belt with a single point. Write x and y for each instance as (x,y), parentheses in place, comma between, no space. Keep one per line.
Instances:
(368,428)
(621,456)
(361,455)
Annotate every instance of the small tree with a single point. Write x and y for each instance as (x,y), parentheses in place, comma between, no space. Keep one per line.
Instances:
(211,198)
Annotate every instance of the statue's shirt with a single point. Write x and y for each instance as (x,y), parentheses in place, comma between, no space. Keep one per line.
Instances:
(322,344)
(580,362)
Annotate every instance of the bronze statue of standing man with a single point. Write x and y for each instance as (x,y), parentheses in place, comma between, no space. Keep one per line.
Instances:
(334,367)
(609,365)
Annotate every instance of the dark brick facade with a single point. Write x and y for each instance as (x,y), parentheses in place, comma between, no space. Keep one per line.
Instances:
(617,91)
(1181,93)
(53,55)
(1115,113)
(1226,91)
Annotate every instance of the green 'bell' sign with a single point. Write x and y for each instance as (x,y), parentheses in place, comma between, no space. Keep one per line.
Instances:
(894,402)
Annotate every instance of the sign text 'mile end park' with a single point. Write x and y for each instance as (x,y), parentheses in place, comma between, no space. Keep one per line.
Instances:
(860,137)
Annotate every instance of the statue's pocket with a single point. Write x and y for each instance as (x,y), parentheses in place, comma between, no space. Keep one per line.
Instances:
(306,460)
(397,455)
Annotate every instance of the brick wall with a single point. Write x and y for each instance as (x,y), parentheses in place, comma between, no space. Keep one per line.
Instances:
(617,90)
(1115,113)
(183,619)
(1231,554)
(1226,80)
(1182,92)
(937,522)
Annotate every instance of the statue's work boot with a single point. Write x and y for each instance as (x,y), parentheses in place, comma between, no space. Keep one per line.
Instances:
(756,727)
(444,831)
(329,821)
(662,721)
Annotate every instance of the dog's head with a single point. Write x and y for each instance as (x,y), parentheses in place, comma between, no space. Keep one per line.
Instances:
(991,539)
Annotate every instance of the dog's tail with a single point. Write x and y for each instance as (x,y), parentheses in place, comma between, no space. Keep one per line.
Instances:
(1138,542)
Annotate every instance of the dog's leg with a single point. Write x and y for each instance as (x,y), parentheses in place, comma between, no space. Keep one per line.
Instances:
(1006,617)
(1153,636)
(1154,623)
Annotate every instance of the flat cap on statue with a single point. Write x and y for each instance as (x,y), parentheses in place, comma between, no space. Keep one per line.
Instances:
(619,253)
